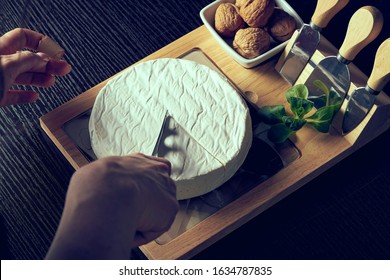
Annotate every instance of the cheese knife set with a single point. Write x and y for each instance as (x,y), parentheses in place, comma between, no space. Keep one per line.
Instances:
(332,72)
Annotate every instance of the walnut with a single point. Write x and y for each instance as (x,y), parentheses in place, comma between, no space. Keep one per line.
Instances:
(251,42)
(256,13)
(239,3)
(228,20)
(281,25)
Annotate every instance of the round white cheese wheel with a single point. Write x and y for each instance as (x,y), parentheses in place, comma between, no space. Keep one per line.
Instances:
(207,132)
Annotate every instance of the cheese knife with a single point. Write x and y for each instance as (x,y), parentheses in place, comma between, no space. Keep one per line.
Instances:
(364,26)
(160,135)
(308,38)
(363,98)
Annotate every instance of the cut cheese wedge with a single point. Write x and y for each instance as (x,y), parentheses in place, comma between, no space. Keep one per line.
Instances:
(50,47)
(208,131)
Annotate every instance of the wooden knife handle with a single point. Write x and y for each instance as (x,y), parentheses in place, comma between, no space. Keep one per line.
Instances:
(326,10)
(364,26)
(380,74)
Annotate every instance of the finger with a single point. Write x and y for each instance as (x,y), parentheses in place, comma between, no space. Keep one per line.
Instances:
(50,66)
(13,97)
(27,61)
(160,161)
(24,61)
(58,67)
(163,165)
(35,79)
(19,38)
(2,83)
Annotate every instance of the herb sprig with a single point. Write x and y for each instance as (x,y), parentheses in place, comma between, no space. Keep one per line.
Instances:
(283,125)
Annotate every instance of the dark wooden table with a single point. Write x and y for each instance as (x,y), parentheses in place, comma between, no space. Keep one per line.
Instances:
(342,214)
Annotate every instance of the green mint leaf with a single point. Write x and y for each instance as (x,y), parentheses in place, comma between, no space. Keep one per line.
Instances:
(300,107)
(319,101)
(321,119)
(284,125)
(334,97)
(279,133)
(272,114)
(293,124)
(322,87)
(299,90)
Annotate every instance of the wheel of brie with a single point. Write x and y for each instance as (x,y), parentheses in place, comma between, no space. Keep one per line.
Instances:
(177,109)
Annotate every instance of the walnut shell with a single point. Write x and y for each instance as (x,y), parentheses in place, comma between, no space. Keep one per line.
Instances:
(256,13)
(251,42)
(239,3)
(228,20)
(281,25)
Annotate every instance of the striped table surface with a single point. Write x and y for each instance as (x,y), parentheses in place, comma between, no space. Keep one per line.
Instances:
(335,216)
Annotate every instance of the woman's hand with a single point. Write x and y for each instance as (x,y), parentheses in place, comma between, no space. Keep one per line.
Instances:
(114,204)
(24,67)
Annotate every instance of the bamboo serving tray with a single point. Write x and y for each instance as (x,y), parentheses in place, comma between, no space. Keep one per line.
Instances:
(261,86)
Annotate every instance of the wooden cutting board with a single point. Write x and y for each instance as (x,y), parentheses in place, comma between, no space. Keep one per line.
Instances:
(262,86)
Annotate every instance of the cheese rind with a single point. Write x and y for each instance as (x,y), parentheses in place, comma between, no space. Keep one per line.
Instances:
(208,133)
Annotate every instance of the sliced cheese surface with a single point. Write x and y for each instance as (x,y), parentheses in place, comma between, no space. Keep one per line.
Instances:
(207,133)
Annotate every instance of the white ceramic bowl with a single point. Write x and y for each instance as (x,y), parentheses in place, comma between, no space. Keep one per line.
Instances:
(207,15)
